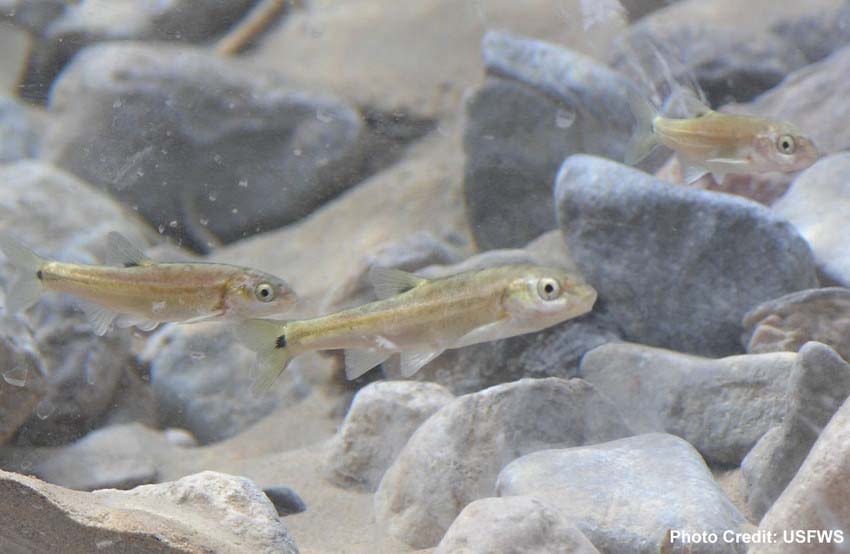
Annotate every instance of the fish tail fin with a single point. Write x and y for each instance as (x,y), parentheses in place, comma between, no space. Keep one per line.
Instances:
(643,139)
(268,339)
(26,288)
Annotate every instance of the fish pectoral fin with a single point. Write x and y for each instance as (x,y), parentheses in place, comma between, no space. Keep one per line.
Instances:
(143,324)
(411,362)
(389,282)
(491,331)
(100,318)
(121,252)
(206,317)
(358,362)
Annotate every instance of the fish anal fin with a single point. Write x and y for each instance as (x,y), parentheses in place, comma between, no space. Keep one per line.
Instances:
(100,318)
(121,252)
(141,323)
(690,171)
(411,362)
(389,282)
(358,362)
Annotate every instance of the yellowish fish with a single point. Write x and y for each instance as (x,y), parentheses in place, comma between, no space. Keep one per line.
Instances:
(420,318)
(134,290)
(719,143)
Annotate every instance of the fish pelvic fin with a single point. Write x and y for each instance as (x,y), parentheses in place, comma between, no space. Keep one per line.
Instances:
(643,140)
(268,339)
(27,286)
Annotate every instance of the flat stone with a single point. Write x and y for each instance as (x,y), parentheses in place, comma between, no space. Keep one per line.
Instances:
(455,456)
(512,525)
(635,238)
(382,417)
(625,494)
(699,399)
(819,384)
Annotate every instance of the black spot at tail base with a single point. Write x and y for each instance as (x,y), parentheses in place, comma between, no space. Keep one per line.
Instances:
(281,342)
(39,275)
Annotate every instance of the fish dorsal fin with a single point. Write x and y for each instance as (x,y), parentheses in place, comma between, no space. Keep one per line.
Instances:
(123,253)
(358,362)
(685,103)
(389,282)
(411,362)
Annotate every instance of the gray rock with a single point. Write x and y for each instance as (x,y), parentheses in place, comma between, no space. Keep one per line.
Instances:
(286,501)
(382,417)
(205,512)
(541,103)
(180,437)
(787,323)
(512,525)
(675,267)
(704,401)
(733,57)
(20,132)
(624,495)
(455,456)
(33,15)
(816,498)
(820,383)
(23,384)
(113,457)
(817,204)
(196,144)
(63,31)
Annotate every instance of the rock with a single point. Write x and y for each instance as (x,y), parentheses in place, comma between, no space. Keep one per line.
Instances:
(33,15)
(623,495)
(20,132)
(817,204)
(732,57)
(113,457)
(61,34)
(816,498)
(634,238)
(23,384)
(381,419)
(215,154)
(787,323)
(205,512)
(511,525)
(820,383)
(455,456)
(286,501)
(540,104)
(701,400)
(180,437)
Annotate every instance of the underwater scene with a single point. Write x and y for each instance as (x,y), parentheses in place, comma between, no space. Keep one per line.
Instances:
(432,276)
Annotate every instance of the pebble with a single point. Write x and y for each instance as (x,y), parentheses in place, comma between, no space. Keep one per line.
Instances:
(286,501)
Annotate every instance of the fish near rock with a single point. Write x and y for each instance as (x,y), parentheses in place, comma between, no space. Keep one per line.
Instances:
(133,290)
(420,318)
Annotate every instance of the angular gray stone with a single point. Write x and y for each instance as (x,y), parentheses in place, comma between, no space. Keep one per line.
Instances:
(197,144)
(820,383)
(512,525)
(382,417)
(23,380)
(541,103)
(816,498)
(201,513)
(20,132)
(116,457)
(675,267)
(455,456)
(733,54)
(787,323)
(625,494)
(286,501)
(702,400)
(817,204)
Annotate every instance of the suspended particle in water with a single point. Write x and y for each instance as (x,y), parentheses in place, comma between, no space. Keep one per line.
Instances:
(90,374)
(234,211)
(173,223)
(44,409)
(17,376)
(195,355)
(204,221)
(297,152)
(565,118)
(161,228)
(324,116)
(243,183)
(213,196)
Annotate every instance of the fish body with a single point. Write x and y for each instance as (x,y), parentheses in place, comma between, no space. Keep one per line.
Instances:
(421,318)
(138,291)
(720,143)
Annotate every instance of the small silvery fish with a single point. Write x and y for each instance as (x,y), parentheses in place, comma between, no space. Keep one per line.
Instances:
(134,290)
(719,143)
(420,318)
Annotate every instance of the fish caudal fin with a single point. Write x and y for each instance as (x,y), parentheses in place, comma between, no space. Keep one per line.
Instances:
(643,139)
(27,287)
(268,339)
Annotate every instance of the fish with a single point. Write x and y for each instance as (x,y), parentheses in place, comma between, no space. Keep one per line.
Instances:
(419,318)
(133,290)
(718,143)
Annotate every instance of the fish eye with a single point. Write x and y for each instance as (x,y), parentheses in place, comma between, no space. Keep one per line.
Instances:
(264,292)
(548,289)
(786,144)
